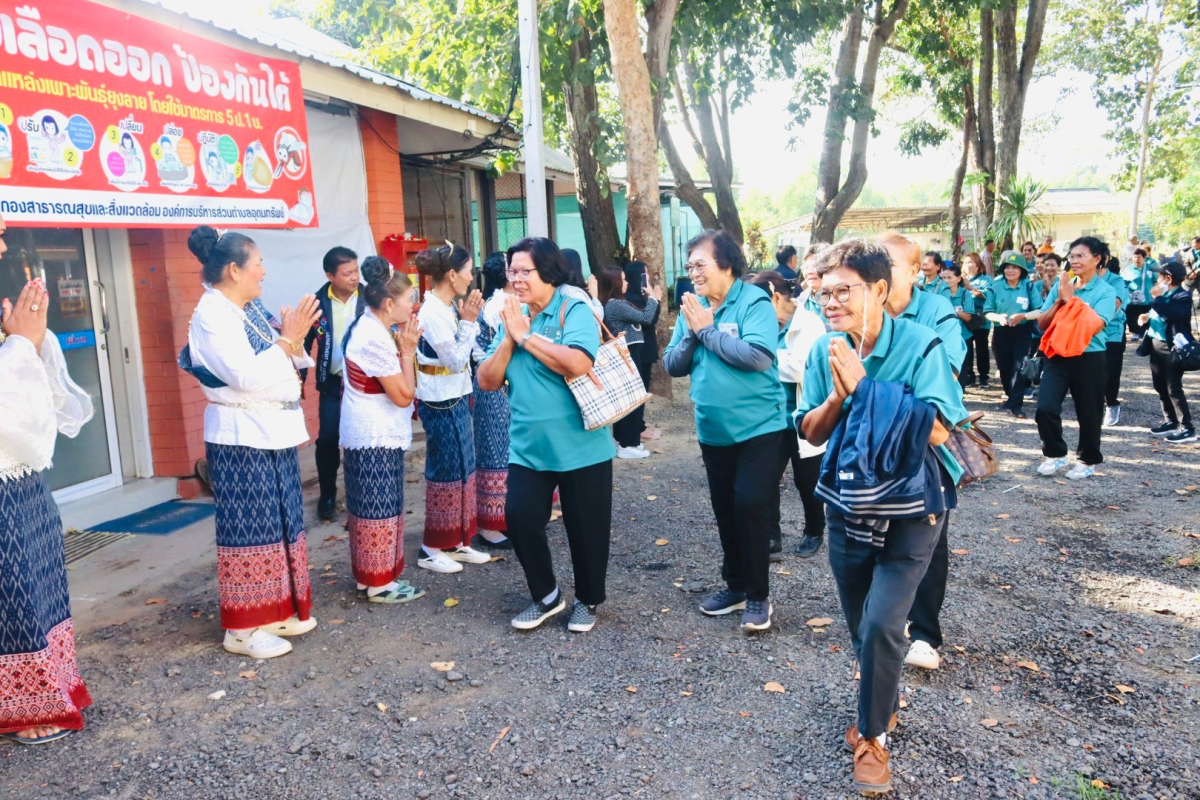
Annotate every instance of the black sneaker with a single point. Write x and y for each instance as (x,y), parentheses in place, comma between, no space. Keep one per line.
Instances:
(326,509)
(1164,427)
(582,619)
(983,384)
(724,602)
(776,550)
(537,613)
(809,546)
(1182,435)
(757,616)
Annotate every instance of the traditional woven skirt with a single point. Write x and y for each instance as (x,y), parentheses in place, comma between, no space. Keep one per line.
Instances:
(39,677)
(262,561)
(450,505)
(375,502)
(491,416)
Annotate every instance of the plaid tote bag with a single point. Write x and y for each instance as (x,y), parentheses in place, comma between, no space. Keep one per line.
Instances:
(613,387)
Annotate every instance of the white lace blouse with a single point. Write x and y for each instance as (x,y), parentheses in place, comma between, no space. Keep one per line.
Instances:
(451,339)
(37,400)
(260,405)
(369,417)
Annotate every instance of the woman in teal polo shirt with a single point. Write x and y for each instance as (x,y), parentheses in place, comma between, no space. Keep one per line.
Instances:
(966,308)
(1140,280)
(547,443)
(725,338)
(1083,375)
(1011,301)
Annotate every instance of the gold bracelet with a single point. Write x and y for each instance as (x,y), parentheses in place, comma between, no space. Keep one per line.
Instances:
(295,347)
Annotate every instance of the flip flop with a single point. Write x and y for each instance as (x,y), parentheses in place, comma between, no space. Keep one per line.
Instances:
(401,594)
(12,737)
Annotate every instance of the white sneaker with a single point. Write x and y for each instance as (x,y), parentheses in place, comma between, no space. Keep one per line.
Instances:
(292,626)
(1080,470)
(921,654)
(1112,416)
(1051,466)
(632,452)
(438,561)
(258,644)
(468,555)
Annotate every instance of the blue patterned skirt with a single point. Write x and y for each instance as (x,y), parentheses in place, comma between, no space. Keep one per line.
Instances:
(262,561)
(450,512)
(491,416)
(39,676)
(375,502)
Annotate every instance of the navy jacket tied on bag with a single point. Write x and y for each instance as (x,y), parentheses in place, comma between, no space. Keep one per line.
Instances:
(878,465)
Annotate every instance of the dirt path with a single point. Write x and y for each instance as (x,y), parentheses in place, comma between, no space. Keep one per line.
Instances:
(1059,596)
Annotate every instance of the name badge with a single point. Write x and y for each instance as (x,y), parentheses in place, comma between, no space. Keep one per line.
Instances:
(1023,302)
(729,327)
(552,332)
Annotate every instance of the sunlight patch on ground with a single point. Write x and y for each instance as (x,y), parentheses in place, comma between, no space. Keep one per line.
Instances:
(1136,595)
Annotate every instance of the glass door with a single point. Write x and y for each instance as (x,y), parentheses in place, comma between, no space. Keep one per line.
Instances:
(65,259)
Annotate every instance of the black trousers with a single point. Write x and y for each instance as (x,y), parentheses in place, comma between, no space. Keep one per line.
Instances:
(1131,319)
(1084,377)
(586,498)
(876,586)
(1011,346)
(329,452)
(743,483)
(1114,362)
(645,367)
(979,357)
(805,474)
(628,430)
(925,618)
(1168,382)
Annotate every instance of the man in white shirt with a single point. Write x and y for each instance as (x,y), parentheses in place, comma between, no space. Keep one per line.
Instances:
(341,302)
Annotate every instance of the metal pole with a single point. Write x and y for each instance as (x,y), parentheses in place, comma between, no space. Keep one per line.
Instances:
(531,96)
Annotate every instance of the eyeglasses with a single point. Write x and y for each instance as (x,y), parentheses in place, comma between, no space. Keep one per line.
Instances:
(841,293)
(696,267)
(518,274)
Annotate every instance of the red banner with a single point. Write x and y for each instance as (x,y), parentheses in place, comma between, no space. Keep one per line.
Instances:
(111,120)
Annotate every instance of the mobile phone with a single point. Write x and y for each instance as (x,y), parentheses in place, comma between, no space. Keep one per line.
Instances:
(645,281)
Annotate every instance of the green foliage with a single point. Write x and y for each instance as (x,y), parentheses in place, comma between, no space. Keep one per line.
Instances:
(1016,210)
(758,249)
(1179,217)
(916,135)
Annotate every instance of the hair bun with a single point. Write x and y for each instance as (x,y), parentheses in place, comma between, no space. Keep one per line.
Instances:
(376,270)
(201,241)
(431,261)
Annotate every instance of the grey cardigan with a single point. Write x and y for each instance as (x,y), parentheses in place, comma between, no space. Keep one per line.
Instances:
(622,316)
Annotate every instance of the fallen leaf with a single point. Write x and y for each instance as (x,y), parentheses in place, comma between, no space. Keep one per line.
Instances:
(656,450)
(1182,491)
(989,722)
(1191,488)
(1140,651)
(195,615)
(783,572)
(959,552)
(1013,539)
(1063,550)
(772,686)
(1162,610)
(1063,483)
(1005,586)
(956,778)
(1088,633)
(1186,561)
(1123,689)
(1003,516)
(996,688)
(382,707)
(1115,508)
(904,704)
(960,648)
(745,714)
(217,695)
(248,674)
(442,666)
(497,558)
(1099,784)
(662,542)
(218,672)
(687,694)
(968,700)
(334,621)
(155,601)
(1034,780)
(631,689)
(651,497)
(1041,540)
(503,732)
(819,622)
(449,602)
(1029,665)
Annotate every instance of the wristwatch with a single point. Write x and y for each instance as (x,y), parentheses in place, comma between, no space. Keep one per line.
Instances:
(525,338)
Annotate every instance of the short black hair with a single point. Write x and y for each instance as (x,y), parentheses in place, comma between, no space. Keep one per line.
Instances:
(955,268)
(988,241)
(336,257)
(869,259)
(574,264)
(1055,257)
(1095,246)
(547,258)
(494,274)
(937,258)
(1139,251)
(726,251)
(784,254)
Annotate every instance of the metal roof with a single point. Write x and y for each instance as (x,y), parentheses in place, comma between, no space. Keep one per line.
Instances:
(293,36)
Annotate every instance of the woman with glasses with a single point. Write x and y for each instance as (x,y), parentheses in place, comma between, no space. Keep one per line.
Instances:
(444,388)
(548,444)
(725,338)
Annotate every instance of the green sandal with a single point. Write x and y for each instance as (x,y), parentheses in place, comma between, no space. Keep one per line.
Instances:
(403,593)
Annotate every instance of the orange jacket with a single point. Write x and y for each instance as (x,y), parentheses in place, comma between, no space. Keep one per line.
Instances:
(1071,329)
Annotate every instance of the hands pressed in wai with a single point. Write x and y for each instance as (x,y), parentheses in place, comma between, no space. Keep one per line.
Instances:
(407,337)
(846,368)
(695,315)
(27,316)
(515,323)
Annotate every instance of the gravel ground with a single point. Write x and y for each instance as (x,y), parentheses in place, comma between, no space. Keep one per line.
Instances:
(1071,617)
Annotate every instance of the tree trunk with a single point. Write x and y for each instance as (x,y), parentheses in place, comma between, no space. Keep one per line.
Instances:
(833,200)
(596,212)
(1144,144)
(719,163)
(635,94)
(1014,78)
(985,136)
(960,175)
(685,188)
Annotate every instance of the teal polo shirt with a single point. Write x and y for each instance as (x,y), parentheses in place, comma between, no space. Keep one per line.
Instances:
(1158,324)
(733,405)
(981,283)
(1115,329)
(1000,298)
(935,312)
(1098,296)
(906,352)
(1139,280)
(966,301)
(935,286)
(546,432)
